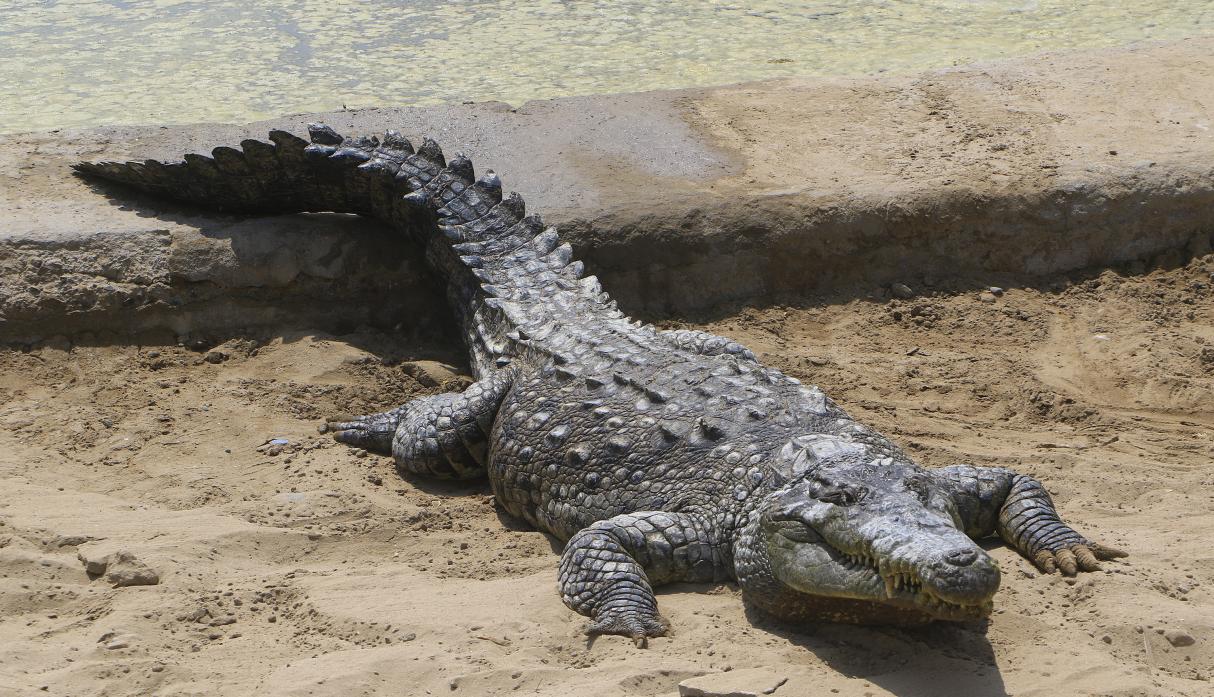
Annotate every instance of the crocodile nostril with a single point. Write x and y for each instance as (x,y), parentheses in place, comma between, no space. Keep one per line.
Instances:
(961,557)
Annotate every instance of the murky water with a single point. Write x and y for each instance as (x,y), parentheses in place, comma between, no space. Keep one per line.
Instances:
(68,63)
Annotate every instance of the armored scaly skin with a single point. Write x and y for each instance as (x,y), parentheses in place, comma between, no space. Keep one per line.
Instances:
(659,456)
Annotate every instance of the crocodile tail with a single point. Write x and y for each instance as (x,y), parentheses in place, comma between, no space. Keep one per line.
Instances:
(288,174)
(523,267)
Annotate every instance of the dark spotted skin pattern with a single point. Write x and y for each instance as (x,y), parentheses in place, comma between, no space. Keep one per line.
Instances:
(660,456)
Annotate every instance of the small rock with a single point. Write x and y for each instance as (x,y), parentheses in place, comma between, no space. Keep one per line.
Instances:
(901,290)
(94,563)
(221,621)
(746,682)
(995,291)
(123,569)
(157,668)
(375,479)
(195,615)
(215,357)
(818,361)
(1107,639)
(117,644)
(986,297)
(1178,638)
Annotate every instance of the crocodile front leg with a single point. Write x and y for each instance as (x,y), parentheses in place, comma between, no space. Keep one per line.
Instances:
(609,569)
(1017,507)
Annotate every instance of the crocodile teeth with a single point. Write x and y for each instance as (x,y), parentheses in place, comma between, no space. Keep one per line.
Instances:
(889,586)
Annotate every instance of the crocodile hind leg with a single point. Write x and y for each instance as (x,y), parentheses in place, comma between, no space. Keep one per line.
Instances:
(608,570)
(994,500)
(371,432)
(444,435)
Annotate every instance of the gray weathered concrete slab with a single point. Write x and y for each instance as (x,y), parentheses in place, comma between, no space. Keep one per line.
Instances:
(682,202)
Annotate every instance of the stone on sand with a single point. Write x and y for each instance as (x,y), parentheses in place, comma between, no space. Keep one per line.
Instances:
(120,568)
(1179,638)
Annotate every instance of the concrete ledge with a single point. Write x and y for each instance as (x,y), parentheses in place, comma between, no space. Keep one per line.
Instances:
(682,202)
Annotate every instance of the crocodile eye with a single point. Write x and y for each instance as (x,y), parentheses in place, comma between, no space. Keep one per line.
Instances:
(842,497)
(797,531)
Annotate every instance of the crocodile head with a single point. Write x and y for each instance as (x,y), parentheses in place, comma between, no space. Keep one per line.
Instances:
(848,537)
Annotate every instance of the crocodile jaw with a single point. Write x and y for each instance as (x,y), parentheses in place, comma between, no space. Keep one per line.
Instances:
(831,585)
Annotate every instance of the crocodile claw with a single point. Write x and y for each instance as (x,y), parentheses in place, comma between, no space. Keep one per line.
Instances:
(639,627)
(372,432)
(1075,558)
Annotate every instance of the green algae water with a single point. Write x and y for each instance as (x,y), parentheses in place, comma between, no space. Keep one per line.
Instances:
(79,63)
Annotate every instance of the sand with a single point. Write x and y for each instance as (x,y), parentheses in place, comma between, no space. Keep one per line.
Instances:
(307,569)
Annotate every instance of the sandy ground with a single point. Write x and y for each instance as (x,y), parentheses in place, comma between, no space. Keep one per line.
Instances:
(314,571)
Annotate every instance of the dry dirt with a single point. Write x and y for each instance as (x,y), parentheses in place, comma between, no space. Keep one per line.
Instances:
(306,569)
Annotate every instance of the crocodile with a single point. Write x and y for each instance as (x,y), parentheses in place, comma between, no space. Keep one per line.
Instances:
(656,456)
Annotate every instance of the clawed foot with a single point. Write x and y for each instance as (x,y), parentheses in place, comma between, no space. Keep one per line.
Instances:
(635,625)
(1072,559)
(372,432)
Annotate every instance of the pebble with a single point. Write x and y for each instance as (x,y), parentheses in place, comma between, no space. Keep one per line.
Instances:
(1179,638)
(124,570)
(901,290)
(986,297)
(94,564)
(215,357)
(121,568)
(1107,639)
(118,644)
(995,291)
